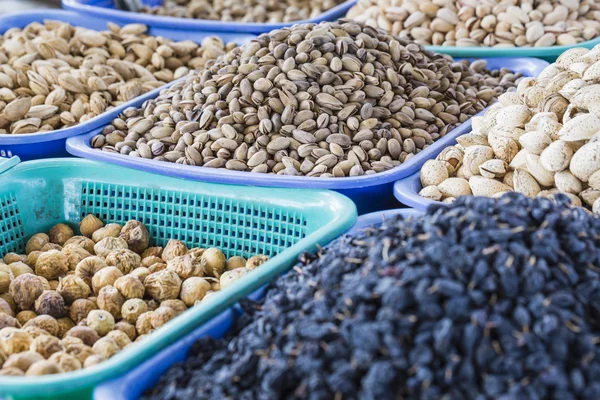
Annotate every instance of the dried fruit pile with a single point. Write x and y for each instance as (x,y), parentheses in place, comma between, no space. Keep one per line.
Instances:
(335,99)
(74,301)
(265,11)
(490,23)
(55,75)
(481,299)
(539,141)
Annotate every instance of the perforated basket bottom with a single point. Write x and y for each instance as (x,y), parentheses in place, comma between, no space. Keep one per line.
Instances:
(237,227)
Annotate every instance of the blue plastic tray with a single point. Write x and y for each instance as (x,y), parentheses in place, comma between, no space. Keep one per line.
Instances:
(106,9)
(407,190)
(146,375)
(46,145)
(369,192)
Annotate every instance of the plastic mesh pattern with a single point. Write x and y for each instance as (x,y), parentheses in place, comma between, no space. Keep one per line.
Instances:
(238,227)
(12,234)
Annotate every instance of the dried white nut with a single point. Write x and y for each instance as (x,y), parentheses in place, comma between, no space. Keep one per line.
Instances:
(433,173)
(541,174)
(481,186)
(431,192)
(557,156)
(475,156)
(504,148)
(524,183)
(514,116)
(582,127)
(566,182)
(586,161)
(535,142)
(594,180)
(596,206)
(493,169)
(455,187)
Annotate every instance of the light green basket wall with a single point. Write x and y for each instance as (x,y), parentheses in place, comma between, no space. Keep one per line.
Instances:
(281,223)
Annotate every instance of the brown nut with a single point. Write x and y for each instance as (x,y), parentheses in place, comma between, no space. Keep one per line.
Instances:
(157,267)
(74,255)
(88,267)
(79,351)
(120,337)
(65,361)
(10,300)
(10,258)
(110,230)
(109,299)
(6,278)
(186,266)
(229,277)
(22,360)
(141,273)
(194,289)
(104,247)
(132,309)
(46,345)
(127,328)
(105,277)
(92,360)
(151,260)
(69,340)
(45,322)
(177,305)
(90,224)
(152,304)
(14,340)
(106,347)
(152,252)
(8,321)
(101,320)
(213,262)
(25,289)
(81,241)
(5,308)
(163,285)
(60,233)
(19,268)
(51,246)
(161,316)
(235,262)
(72,287)
(256,261)
(80,309)
(44,367)
(36,242)
(124,259)
(53,284)
(51,264)
(88,335)
(174,248)
(136,235)
(31,260)
(130,287)
(64,325)
(50,303)
(25,316)
(35,331)
(143,324)
(12,371)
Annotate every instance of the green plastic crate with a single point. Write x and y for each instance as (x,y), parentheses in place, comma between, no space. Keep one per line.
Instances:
(281,223)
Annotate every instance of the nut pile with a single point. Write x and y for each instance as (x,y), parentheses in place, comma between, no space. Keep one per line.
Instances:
(73,301)
(263,11)
(490,23)
(482,299)
(539,141)
(331,100)
(55,75)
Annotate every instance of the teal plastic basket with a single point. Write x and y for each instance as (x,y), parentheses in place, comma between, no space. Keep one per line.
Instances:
(549,54)
(281,223)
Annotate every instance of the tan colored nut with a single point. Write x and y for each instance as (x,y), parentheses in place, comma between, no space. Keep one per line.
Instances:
(19,268)
(44,367)
(51,264)
(107,245)
(88,267)
(25,289)
(174,248)
(79,351)
(90,224)
(586,161)
(110,230)
(557,156)
(481,186)
(161,316)
(106,347)
(36,242)
(127,328)
(6,278)
(81,241)
(524,183)
(594,180)
(74,255)
(472,139)
(111,300)
(105,277)
(65,361)
(46,345)
(493,169)
(535,142)
(213,262)
(163,285)
(132,309)
(120,338)
(229,277)
(504,148)
(143,325)
(178,305)
(541,174)
(455,187)
(195,288)
(22,360)
(24,316)
(152,252)
(124,259)
(235,262)
(589,196)
(513,116)
(130,287)
(100,320)
(72,287)
(45,322)
(186,266)
(13,340)
(433,172)
(60,233)
(13,258)
(92,360)
(256,261)
(136,235)
(141,273)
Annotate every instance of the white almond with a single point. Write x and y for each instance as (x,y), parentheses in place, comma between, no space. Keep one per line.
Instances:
(566,182)
(431,193)
(582,127)
(535,142)
(524,183)
(557,156)
(586,161)
(455,187)
(433,173)
(535,168)
(481,186)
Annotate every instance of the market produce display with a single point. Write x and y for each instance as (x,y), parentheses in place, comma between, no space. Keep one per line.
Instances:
(484,298)
(55,75)
(539,141)
(489,23)
(265,11)
(335,99)
(73,301)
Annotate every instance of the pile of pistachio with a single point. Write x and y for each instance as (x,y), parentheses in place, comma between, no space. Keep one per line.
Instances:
(55,75)
(73,301)
(336,99)
(541,140)
(490,23)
